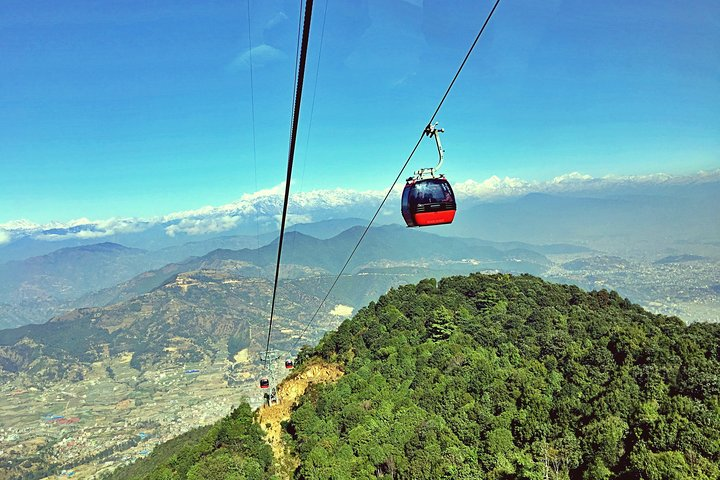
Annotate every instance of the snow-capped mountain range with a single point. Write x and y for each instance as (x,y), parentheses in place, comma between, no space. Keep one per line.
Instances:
(259,211)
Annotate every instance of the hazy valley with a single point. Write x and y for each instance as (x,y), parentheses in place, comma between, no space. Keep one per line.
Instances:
(115,349)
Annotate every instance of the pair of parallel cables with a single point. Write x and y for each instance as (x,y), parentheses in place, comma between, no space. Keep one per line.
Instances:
(291,156)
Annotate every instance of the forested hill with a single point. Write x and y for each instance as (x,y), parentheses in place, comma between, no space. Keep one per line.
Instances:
(511,377)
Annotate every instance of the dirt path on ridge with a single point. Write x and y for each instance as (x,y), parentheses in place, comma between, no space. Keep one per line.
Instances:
(289,391)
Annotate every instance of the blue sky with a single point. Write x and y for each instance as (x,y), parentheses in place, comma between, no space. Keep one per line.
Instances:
(143,108)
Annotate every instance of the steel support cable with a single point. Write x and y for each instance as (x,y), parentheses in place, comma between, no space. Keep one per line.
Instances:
(312,109)
(357,245)
(387,195)
(312,102)
(291,157)
(297,46)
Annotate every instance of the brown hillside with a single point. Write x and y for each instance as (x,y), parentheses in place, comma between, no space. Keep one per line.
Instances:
(289,392)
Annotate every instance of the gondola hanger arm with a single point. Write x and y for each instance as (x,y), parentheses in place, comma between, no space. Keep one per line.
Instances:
(432,131)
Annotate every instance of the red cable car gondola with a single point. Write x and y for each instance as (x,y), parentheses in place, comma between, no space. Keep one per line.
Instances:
(289,364)
(264,383)
(429,199)
(428,202)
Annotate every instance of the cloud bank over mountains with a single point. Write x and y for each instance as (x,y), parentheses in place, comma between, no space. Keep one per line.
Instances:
(495,187)
(261,210)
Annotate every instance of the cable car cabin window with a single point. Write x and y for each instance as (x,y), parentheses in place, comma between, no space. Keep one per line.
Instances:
(431,191)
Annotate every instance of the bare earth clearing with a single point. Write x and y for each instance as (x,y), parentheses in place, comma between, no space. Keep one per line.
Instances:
(289,391)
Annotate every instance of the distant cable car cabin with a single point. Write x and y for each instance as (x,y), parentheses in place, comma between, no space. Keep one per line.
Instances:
(264,383)
(289,364)
(428,199)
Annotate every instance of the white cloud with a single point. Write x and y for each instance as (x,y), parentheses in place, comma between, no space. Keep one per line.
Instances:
(199,226)
(261,55)
(85,228)
(265,206)
(493,187)
(279,18)
(293,219)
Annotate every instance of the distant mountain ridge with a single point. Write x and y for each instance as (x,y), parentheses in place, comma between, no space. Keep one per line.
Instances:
(390,255)
(37,286)
(81,268)
(305,255)
(644,222)
(99,274)
(169,248)
(680,259)
(183,320)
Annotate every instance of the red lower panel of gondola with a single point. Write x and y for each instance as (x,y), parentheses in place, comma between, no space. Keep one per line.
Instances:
(434,218)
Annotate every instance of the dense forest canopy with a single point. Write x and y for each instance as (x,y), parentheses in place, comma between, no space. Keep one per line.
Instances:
(512,377)
(493,377)
(232,449)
